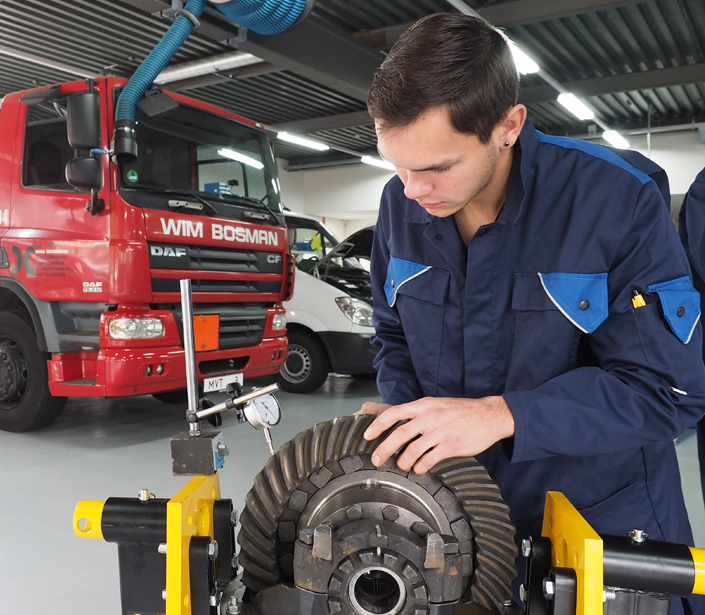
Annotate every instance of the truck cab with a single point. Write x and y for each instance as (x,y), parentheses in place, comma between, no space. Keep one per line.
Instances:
(92,251)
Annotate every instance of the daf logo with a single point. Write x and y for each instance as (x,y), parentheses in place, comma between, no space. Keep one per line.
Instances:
(167,251)
(274,258)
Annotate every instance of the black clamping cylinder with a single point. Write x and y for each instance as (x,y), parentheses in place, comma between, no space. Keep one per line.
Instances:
(651,566)
(131,520)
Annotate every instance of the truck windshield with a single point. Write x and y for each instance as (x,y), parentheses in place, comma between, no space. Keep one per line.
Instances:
(218,159)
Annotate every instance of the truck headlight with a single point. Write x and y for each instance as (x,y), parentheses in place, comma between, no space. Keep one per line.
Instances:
(135,328)
(356,310)
(279,322)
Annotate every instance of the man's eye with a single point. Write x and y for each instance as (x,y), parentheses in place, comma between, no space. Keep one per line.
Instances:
(441,170)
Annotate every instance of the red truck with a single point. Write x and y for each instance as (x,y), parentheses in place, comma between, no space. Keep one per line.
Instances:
(92,249)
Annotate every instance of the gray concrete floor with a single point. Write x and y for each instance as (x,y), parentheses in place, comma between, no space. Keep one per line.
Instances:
(98,449)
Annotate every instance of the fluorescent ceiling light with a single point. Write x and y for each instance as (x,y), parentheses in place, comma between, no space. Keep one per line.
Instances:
(285,136)
(615,139)
(378,162)
(237,156)
(576,106)
(524,63)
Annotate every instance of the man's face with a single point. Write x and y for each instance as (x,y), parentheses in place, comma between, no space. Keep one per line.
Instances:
(441,169)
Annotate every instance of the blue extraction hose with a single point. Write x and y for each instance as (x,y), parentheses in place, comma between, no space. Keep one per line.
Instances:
(261,16)
(156,61)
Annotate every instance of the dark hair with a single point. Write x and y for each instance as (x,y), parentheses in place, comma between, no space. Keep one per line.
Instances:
(450,60)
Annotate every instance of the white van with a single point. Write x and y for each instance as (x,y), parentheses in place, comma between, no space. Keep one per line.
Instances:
(329,318)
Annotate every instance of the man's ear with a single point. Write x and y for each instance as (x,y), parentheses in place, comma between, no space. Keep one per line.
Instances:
(510,127)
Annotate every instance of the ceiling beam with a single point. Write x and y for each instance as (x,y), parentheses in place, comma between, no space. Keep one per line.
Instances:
(214,25)
(646,80)
(517,12)
(253,70)
(512,13)
(330,122)
(317,52)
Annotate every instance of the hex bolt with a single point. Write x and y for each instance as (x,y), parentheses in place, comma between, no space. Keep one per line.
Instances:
(549,589)
(420,529)
(213,550)
(162,548)
(145,495)
(390,513)
(234,608)
(638,535)
(233,518)
(164,594)
(526,547)
(608,593)
(306,535)
(523,594)
(353,513)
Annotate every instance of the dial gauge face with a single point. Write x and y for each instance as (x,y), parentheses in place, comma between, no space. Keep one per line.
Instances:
(268,410)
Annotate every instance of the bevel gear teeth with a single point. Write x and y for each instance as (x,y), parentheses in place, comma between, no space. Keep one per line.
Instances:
(283,488)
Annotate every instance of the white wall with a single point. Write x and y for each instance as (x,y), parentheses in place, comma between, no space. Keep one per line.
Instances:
(681,154)
(348,196)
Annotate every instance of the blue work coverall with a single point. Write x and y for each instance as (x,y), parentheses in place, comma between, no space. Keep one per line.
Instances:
(538,308)
(691,228)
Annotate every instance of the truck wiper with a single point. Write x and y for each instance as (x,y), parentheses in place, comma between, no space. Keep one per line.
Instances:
(259,203)
(184,204)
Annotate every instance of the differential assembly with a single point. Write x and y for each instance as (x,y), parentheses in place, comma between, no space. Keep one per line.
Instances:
(326,531)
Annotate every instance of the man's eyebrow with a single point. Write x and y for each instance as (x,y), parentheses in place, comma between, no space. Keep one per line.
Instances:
(441,165)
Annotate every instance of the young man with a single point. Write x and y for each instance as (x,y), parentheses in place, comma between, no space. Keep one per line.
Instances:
(532,301)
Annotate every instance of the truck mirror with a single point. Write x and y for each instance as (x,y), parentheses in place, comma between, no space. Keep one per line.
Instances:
(85,173)
(83,120)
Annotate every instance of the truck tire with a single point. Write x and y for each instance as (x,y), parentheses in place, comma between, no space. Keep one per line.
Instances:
(307,366)
(25,400)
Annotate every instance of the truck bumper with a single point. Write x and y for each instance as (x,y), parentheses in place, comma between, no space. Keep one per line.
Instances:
(349,353)
(120,372)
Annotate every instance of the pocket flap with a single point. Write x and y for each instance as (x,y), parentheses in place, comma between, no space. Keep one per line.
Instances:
(399,272)
(581,297)
(681,306)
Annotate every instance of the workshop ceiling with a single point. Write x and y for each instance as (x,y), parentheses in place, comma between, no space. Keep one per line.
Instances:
(629,59)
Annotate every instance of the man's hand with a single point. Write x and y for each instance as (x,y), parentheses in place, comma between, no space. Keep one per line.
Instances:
(446,427)
(373,407)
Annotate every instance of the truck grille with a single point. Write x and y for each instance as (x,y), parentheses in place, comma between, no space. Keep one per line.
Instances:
(240,325)
(181,257)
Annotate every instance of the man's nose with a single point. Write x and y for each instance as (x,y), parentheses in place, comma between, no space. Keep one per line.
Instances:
(416,187)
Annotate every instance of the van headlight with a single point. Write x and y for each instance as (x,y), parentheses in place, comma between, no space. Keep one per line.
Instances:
(356,310)
(278,322)
(135,328)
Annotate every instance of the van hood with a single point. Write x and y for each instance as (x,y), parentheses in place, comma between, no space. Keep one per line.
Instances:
(340,268)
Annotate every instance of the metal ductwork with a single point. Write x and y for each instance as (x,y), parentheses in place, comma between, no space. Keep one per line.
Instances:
(206,66)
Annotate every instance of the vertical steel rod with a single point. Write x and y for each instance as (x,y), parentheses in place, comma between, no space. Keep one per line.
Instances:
(189,354)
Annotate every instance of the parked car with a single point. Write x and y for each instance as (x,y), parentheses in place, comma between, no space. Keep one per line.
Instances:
(329,318)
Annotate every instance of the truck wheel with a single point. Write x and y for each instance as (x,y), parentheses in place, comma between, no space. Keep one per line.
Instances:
(25,400)
(306,367)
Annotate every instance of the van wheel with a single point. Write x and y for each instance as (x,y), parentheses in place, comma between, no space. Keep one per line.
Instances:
(25,400)
(306,367)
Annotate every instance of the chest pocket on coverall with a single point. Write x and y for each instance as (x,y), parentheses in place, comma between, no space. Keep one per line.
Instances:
(547,326)
(419,293)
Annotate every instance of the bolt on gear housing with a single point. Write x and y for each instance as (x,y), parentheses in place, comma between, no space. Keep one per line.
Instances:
(373,541)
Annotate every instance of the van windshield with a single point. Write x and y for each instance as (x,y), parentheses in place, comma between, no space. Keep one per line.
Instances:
(190,150)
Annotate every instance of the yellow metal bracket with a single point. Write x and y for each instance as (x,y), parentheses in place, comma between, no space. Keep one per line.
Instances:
(189,513)
(575,545)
